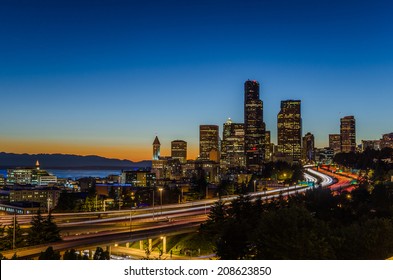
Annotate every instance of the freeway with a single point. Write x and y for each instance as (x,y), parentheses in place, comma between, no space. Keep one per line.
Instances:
(92,218)
(93,229)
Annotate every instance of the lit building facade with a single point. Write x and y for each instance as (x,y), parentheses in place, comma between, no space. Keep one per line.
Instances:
(254,127)
(335,143)
(138,178)
(348,134)
(44,196)
(232,145)
(308,149)
(156,149)
(371,144)
(209,142)
(289,130)
(269,147)
(179,150)
(387,141)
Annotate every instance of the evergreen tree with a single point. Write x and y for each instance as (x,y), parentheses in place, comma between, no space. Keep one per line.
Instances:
(73,255)
(49,254)
(100,254)
(43,231)
(50,230)
(36,230)
(7,238)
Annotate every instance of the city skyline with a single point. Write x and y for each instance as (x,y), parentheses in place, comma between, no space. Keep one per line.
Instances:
(106,79)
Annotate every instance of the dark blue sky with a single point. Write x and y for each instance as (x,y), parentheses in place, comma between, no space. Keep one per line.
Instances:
(104,77)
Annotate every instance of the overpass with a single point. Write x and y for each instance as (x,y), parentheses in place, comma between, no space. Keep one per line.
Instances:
(114,227)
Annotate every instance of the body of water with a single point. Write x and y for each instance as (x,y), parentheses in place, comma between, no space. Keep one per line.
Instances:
(75,174)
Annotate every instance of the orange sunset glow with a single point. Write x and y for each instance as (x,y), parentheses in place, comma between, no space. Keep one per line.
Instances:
(134,153)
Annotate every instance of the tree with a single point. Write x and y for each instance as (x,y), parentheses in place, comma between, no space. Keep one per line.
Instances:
(73,255)
(51,231)
(100,254)
(291,233)
(43,231)
(36,230)
(7,239)
(67,202)
(49,254)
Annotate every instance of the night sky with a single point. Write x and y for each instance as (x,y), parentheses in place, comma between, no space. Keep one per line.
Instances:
(105,77)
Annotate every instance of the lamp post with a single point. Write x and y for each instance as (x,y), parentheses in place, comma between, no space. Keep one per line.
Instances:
(153,202)
(14,232)
(49,200)
(130,220)
(255,181)
(160,189)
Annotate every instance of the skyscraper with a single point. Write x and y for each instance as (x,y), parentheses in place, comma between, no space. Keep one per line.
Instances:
(208,142)
(254,127)
(179,150)
(335,143)
(308,147)
(348,134)
(156,149)
(289,129)
(232,145)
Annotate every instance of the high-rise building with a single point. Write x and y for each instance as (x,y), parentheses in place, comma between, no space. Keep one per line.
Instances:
(269,146)
(387,141)
(232,145)
(289,129)
(308,150)
(208,142)
(179,150)
(335,143)
(156,149)
(254,127)
(348,134)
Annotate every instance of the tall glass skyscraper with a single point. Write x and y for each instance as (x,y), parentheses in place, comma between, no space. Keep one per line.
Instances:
(208,142)
(348,134)
(289,130)
(254,127)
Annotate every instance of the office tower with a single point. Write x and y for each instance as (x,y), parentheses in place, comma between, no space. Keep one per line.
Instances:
(208,142)
(254,127)
(179,150)
(269,146)
(308,147)
(232,145)
(348,134)
(289,129)
(386,141)
(156,149)
(335,143)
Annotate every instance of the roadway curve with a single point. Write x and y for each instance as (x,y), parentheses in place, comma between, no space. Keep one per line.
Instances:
(147,222)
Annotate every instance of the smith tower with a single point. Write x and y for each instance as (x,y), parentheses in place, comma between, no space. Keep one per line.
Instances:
(254,127)
(156,149)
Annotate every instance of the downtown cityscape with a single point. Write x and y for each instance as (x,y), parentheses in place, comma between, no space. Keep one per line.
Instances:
(208,130)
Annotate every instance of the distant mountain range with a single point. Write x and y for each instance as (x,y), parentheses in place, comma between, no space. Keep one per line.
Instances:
(66,161)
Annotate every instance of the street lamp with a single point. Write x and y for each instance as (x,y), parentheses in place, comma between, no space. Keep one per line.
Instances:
(49,200)
(160,189)
(255,181)
(130,221)
(153,202)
